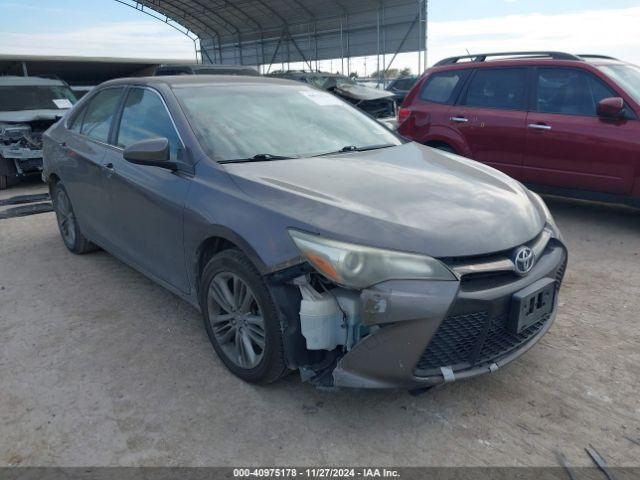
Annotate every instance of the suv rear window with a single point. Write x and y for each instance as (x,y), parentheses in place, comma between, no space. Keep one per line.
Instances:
(443,87)
(502,88)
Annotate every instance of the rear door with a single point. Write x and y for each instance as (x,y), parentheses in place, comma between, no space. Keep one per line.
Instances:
(82,169)
(568,145)
(147,202)
(430,110)
(491,116)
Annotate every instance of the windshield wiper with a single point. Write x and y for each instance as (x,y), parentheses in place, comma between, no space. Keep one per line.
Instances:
(353,148)
(259,157)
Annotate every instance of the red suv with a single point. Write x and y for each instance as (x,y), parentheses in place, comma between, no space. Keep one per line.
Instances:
(561,123)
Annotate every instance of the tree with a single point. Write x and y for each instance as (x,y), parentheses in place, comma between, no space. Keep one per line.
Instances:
(405,72)
(392,72)
(353,74)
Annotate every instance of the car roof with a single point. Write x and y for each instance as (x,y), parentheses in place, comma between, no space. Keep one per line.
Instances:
(16,81)
(301,73)
(201,66)
(180,80)
(526,60)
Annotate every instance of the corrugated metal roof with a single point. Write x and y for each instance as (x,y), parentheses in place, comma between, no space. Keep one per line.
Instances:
(256,32)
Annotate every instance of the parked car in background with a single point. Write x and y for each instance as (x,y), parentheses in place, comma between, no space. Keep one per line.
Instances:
(28,106)
(310,237)
(205,69)
(401,86)
(376,102)
(562,123)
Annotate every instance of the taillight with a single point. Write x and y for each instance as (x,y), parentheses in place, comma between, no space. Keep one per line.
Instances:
(403,114)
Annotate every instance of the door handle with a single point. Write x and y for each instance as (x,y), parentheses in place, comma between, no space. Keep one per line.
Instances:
(539,126)
(109,166)
(459,119)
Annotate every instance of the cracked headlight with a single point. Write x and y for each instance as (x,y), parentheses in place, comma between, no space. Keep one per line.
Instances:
(358,267)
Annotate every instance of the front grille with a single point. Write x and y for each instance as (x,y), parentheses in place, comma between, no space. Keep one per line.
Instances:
(471,340)
(476,331)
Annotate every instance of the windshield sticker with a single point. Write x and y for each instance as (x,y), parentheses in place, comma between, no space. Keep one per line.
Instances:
(321,98)
(62,102)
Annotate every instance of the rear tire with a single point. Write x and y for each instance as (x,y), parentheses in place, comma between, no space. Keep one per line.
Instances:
(70,232)
(241,318)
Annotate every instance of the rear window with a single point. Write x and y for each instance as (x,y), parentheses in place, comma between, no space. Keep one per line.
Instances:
(443,87)
(502,88)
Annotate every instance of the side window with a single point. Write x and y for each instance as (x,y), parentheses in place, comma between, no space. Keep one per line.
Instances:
(569,91)
(145,116)
(76,121)
(96,120)
(502,88)
(404,84)
(443,87)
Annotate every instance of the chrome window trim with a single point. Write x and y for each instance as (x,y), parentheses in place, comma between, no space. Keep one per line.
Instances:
(116,147)
(503,264)
(85,105)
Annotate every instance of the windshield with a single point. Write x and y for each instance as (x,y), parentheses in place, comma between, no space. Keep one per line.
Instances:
(29,97)
(627,76)
(238,122)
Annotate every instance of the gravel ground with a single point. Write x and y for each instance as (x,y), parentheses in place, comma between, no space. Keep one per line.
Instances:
(99,366)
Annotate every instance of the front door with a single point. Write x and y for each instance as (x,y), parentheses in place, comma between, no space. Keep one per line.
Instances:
(568,145)
(491,117)
(148,202)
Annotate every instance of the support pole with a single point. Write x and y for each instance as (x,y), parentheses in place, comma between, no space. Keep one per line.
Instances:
(404,39)
(426,33)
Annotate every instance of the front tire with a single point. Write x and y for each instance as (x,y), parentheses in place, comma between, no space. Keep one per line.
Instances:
(70,232)
(241,318)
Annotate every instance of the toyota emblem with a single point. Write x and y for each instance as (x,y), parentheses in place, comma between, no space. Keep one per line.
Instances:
(523,259)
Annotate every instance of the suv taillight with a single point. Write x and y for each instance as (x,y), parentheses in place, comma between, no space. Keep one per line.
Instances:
(403,114)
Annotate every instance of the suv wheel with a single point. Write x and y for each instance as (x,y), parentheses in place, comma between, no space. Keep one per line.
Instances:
(241,318)
(72,237)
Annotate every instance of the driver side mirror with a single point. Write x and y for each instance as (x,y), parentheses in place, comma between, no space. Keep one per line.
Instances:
(611,107)
(151,152)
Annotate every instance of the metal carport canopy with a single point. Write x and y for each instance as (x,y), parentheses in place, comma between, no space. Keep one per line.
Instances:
(260,32)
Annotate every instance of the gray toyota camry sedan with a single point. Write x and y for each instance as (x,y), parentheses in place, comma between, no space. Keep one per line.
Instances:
(310,237)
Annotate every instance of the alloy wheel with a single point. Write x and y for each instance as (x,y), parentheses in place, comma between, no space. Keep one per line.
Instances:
(65,217)
(236,320)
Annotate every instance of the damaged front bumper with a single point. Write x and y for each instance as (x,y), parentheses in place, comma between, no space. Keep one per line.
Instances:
(434,332)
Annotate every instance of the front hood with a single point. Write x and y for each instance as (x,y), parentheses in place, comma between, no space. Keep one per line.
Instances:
(411,198)
(358,92)
(32,115)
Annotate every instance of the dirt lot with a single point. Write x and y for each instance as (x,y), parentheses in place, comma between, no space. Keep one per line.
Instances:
(99,366)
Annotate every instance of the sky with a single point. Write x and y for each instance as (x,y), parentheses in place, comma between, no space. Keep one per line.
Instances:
(108,28)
